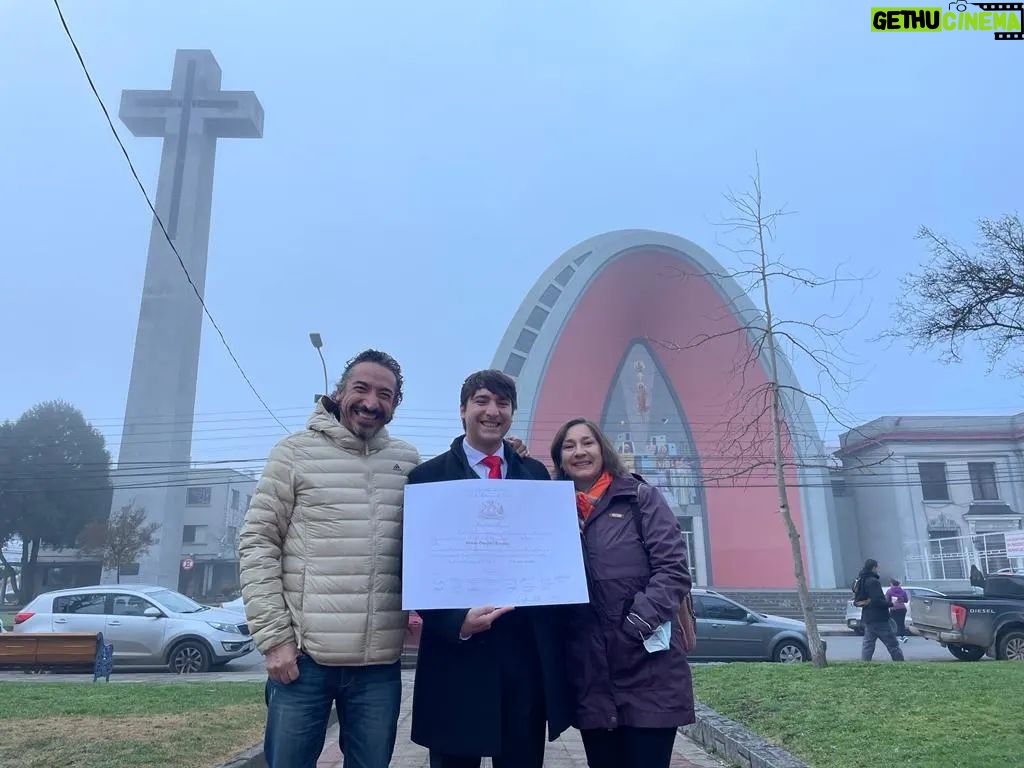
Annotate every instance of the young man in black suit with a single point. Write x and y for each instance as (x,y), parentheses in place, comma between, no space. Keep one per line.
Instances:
(488,679)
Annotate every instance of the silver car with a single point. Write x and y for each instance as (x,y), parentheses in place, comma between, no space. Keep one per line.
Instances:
(147,626)
(728,631)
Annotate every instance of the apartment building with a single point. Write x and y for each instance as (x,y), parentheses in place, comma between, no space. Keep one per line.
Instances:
(928,496)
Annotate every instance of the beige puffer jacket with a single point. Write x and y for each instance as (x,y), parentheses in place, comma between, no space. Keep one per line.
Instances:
(321,547)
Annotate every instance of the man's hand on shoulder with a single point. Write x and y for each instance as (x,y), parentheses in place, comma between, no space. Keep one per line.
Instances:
(282,663)
(519,447)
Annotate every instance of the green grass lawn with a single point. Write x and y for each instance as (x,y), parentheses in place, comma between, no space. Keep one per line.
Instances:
(925,715)
(75,725)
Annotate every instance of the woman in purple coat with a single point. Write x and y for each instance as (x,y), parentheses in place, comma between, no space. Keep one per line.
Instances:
(627,666)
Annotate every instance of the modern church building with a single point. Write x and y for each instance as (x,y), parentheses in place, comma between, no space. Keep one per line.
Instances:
(647,334)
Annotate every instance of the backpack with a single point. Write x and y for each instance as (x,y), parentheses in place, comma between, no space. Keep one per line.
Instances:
(687,619)
(859,598)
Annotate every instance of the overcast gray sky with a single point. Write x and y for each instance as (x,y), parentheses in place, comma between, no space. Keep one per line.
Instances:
(423,163)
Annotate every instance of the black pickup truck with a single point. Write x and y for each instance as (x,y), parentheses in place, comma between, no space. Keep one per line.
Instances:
(971,627)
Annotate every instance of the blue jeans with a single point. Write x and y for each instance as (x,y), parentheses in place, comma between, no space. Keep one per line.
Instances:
(367,698)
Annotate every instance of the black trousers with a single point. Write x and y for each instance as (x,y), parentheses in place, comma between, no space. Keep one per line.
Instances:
(900,617)
(523,714)
(626,747)
(523,733)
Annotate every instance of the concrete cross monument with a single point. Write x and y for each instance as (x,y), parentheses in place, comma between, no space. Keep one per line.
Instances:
(156,442)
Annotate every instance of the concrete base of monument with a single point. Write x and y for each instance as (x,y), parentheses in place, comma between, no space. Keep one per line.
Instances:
(736,744)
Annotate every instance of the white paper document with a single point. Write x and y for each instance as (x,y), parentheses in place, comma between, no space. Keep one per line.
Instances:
(475,543)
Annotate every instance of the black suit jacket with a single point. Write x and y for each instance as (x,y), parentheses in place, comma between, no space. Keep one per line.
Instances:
(457,697)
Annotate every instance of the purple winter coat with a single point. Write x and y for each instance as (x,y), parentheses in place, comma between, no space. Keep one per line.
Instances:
(614,680)
(895,593)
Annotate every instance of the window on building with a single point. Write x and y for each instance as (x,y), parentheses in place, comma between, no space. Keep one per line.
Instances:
(235,499)
(983,480)
(132,569)
(193,534)
(839,488)
(933,480)
(198,496)
(946,554)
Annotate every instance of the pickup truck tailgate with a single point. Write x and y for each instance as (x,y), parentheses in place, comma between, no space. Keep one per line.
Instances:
(931,612)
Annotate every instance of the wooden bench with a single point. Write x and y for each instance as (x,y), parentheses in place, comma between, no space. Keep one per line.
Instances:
(56,652)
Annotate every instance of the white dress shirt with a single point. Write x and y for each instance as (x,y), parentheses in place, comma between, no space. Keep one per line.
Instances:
(474,457)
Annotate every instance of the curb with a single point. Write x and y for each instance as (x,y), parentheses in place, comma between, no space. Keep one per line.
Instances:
(253,756)
(731,741)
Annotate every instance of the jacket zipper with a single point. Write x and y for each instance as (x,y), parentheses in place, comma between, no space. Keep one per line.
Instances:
(370,602)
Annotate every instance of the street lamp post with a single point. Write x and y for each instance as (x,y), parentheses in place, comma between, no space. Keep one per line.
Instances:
(318,344)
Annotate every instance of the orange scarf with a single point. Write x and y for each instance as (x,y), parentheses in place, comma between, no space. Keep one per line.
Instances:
(585,502)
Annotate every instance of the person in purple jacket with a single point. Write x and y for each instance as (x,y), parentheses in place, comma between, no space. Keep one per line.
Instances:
(627,667)
(898,598)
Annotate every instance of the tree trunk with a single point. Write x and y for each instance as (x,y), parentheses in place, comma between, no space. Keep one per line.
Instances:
(10,577)
(803,591)
(118,574)
(29,556)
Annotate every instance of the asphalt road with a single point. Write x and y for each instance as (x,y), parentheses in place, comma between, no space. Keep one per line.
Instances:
(840,648)
(847,648)
(250,666)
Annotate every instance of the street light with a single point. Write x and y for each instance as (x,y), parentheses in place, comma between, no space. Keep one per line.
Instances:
(318,344)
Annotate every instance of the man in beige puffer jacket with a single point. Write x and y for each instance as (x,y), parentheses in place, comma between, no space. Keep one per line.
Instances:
(321,554)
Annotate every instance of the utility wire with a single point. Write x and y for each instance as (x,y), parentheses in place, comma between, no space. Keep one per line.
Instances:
(156,216)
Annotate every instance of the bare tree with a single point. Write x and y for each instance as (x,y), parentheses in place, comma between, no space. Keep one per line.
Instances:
(749,451)
(959,295)
(121,539)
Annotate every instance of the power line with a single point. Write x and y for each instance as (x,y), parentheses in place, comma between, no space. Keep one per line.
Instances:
(152,208)
(301,412)
(739,483)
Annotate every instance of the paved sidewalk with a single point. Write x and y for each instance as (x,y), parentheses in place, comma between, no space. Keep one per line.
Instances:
(567,752)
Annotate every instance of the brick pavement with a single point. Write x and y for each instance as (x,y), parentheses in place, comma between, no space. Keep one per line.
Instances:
(567,752)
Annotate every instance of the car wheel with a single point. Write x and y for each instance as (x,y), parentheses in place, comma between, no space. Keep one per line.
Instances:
(790,652)
(966,652)
(1011,646)
(189,657)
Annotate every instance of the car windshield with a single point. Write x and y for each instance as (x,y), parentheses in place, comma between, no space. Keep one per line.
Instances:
(175,602)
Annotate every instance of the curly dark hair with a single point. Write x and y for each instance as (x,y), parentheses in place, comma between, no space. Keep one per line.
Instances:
(380,358)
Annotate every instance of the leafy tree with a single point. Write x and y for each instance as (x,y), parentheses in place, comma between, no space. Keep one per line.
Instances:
(961,295)
(55,482)
(121,539)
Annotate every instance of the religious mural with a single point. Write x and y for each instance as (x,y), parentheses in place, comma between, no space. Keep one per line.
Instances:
(643,419)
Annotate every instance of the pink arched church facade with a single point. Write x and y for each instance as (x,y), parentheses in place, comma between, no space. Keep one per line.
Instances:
(645,333)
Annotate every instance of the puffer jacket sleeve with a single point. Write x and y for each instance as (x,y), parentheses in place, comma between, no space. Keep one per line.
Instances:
(670,576)
(261,549)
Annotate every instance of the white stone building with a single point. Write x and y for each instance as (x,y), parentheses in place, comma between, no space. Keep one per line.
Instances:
(928,496)
(215,505)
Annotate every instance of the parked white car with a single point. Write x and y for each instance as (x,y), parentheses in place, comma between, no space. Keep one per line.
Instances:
(853,612)
(147,626)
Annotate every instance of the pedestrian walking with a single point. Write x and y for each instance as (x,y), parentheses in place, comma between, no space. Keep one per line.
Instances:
(867,593)
(899,599)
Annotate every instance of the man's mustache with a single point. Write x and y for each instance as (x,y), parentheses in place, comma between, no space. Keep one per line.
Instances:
(367,411)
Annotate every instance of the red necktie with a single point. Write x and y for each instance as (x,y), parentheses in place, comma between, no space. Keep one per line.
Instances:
(493,464)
